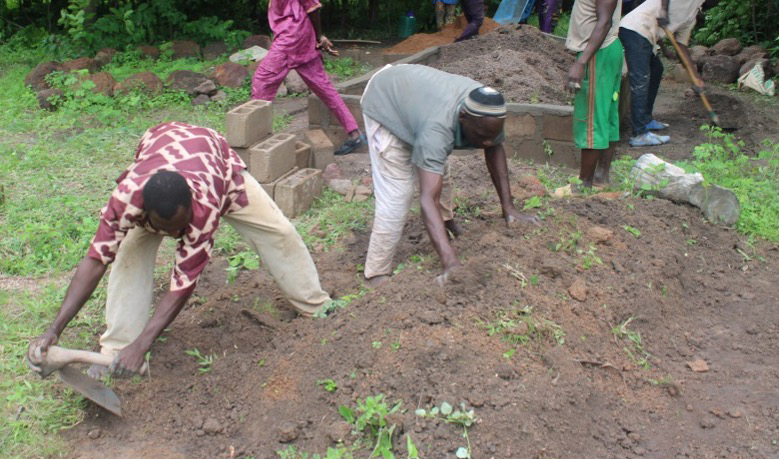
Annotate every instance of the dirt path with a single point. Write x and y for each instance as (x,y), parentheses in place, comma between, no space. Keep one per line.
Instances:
(612,323)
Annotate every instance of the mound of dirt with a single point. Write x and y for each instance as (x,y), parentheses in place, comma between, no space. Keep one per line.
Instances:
(602,372)
(422,41)
(522,63)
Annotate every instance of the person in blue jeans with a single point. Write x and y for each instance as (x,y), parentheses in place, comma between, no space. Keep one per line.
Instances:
(640,31)
(444,12)
(474,13)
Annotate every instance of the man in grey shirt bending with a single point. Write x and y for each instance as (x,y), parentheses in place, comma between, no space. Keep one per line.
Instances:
(414,117)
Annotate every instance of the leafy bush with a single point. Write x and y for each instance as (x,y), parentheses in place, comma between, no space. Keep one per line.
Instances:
(750,22)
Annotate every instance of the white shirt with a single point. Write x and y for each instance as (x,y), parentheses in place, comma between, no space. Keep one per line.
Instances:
(681,17)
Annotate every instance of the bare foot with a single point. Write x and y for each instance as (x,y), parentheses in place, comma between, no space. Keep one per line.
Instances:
(377,281)
(97,372)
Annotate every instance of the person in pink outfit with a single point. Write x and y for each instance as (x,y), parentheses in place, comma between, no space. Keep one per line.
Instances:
(297,43)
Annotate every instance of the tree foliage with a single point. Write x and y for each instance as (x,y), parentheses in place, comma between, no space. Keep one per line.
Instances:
(750,21)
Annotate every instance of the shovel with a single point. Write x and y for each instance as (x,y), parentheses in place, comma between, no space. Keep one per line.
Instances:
(688,66)
(59,359)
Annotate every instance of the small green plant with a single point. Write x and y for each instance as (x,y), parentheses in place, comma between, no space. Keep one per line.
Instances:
(328,385)
(589,258)
(376,344)
(634,231)
(516,274)
(533,202)
(520,327)
(568,241)
(246,260)
(370,418)
(204,362)
(635,347)
(340,303)
(462,417)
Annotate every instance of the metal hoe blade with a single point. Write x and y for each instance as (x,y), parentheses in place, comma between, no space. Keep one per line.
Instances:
(91,389)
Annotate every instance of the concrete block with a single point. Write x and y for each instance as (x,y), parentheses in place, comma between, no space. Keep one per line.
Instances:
(302,155)
(271,187)
(318,114)
(295,194)
(558,128)
(521,126)
(249,123)
(321,149)
(271,158)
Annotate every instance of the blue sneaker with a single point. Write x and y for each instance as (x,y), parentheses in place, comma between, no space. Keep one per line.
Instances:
(649,139)
(655,125)
(350,145)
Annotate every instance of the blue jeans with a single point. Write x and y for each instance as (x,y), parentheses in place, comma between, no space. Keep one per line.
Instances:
(645,72)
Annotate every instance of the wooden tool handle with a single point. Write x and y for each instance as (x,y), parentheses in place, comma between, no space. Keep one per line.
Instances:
(688,66)
(57,357)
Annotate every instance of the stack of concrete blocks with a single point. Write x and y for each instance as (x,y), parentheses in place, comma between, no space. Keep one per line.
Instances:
(278,162)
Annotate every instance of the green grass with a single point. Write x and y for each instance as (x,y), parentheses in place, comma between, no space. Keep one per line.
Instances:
(57,170)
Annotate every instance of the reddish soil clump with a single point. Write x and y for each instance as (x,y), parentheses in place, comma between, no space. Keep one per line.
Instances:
(524,64)
(448,34)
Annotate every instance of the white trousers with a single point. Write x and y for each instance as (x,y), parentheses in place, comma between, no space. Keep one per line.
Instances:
(394,178)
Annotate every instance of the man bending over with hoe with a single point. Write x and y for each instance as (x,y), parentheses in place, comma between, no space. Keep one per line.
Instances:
(184,181)
(414,117)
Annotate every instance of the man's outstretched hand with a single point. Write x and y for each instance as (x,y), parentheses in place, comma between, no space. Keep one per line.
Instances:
(443,278)
(129,361)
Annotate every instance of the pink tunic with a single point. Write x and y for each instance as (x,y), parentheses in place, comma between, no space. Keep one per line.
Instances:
(294,34)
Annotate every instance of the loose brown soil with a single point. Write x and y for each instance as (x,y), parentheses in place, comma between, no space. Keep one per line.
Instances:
(522,63)
(422,41)
(689,291)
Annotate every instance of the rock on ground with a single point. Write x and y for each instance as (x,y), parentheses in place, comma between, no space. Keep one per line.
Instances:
(263,41)
(295,84)
(720,69)
(47,98)
(149,52)
(219,96)
(104,83)
(698,54)
(578,290)
(230,75)
(207,87)
(287,432)
(255,53)
(105,56)
(36,79)
(145,81)
(201,99)
(185,48)
(212,426)
(185,80)
(751,52)
(749,65)
(82,63)
(727,47)
(600,235)
(214,49)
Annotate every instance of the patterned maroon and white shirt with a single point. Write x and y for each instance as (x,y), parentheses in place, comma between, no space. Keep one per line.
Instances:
(212,170)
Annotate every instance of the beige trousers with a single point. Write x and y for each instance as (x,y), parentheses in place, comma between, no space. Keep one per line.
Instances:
(261,224)
(394,177)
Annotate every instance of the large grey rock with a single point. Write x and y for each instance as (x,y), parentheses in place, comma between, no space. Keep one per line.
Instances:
(698,54)
(207,87)
(295,84)
(720,69)
(751,52)
(255,53)
(727,47)
(718,204)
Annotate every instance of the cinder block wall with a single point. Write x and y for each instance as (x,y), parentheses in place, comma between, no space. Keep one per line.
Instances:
(532,130)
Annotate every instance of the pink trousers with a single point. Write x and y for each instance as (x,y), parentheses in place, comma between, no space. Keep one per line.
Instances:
(272,71)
